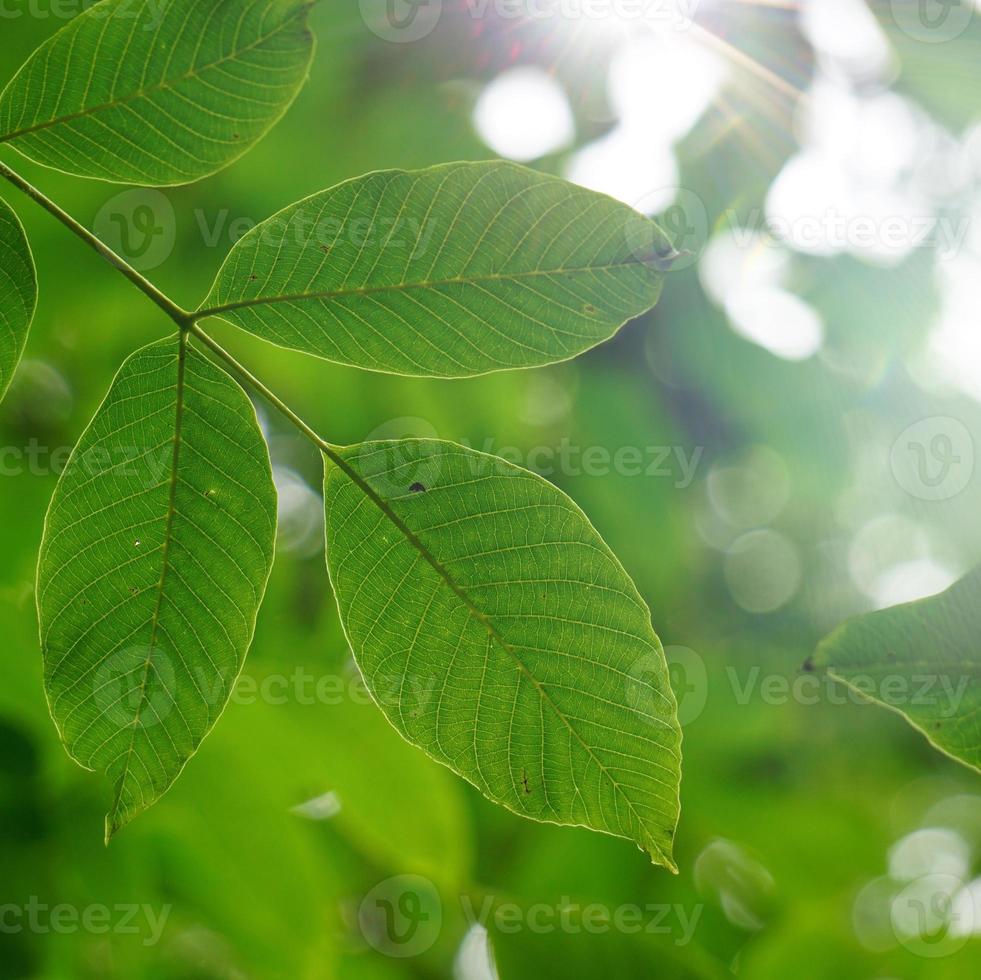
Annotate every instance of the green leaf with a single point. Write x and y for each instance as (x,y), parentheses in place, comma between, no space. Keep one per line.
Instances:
(454,271)
(499,633)
(158,91)
(157,547)
(921,659)
(18,293)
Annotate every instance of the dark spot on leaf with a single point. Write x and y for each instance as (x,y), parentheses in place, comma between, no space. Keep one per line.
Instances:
(236,136)
(524,781)
(253,278)
(589,309)
(325,249)
(417,488)
(808,666)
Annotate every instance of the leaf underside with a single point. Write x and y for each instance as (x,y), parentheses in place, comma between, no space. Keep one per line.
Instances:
(457,270)
(498,632)
(158,93)
(18,293)
(921,659)
(157,548)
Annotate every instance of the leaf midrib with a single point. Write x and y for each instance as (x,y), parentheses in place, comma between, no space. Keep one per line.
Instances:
(406,286)
(492,630)
(165,562)
(144,92)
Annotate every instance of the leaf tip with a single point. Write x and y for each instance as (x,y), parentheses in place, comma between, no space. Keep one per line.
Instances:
(660,857)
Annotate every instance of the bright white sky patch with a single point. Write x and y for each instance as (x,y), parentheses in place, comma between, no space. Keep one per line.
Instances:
(659,87)
(851,189)
(777,320)
(911,580)
(664,85)
(743,271)
(524,114)
(740,260)
(639,172)
(846,36)
(954,346)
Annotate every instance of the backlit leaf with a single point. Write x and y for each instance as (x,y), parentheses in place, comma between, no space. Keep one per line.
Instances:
(18,293)
(453,271)
(922,659)
(158,91)
(157,547)
(498,632)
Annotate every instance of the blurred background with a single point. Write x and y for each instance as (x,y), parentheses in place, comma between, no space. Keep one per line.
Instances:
(785,441)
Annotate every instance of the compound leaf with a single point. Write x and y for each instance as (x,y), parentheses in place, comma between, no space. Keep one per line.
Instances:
(18,293)
(448,272)
(158,92)
(156,551)
(498,632)
(921,659)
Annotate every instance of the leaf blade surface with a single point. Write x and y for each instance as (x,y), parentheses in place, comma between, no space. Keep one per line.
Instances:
(454,271)
(498,632)
(158,93)
(157,547)
(920,659)
(18,293)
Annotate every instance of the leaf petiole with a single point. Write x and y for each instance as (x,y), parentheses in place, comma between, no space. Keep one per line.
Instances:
(185,320)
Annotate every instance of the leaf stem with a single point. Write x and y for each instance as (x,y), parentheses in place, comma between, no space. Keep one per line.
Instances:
(253,382)
(181,317)
(185,320)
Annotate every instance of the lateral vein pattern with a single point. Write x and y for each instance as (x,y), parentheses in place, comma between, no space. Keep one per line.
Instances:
(448,272)
(157,548)
(498,632)
(170,92)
